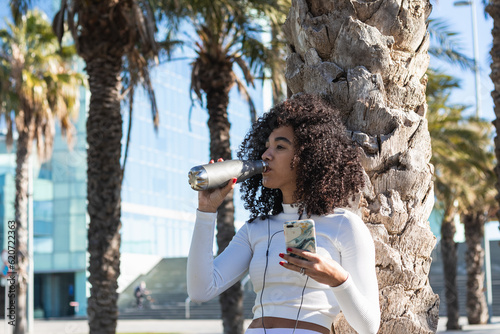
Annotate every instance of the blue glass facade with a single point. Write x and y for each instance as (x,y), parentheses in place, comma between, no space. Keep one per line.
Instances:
(157,203)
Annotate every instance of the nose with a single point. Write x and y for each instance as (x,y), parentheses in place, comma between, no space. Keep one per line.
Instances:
(266,156)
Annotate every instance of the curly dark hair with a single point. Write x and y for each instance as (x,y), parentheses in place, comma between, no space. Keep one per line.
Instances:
(326,160)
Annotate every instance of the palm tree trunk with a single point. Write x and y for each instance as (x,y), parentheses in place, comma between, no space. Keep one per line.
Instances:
(217,84)
(277,75)
(102,41)
(23,153)
(449,257)
(369,58)
(493,9)
(104,179)
(477,309)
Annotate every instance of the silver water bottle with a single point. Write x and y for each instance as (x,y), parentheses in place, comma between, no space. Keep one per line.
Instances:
(218,174)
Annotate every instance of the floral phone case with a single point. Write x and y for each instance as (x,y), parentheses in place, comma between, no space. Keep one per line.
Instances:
(300,234)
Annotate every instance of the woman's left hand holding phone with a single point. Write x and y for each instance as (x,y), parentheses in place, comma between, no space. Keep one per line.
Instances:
(319,268)
(210,200)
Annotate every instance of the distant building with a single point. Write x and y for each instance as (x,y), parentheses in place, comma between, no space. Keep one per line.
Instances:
(157,203)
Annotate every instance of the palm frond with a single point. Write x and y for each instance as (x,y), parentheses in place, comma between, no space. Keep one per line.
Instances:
(41,84)
(137,71)
(246,71)
(129,128)
(58,22)
(485,4)
(195,80)
(231,30)
(19,8)
(244,93)
(448,46)
(462,150)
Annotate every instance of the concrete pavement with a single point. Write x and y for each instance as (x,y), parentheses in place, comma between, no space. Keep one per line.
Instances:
(79,326)
(493,328)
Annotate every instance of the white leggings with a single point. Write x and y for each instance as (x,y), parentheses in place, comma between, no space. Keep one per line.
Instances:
(279,331)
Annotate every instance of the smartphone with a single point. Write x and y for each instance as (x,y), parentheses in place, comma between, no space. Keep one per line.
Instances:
(300,234)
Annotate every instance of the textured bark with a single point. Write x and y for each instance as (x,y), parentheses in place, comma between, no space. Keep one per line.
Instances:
(25,125)
(369,59)
(493,9)
(102,45)
(104,179)
(23,153)
(216,81)
(477,308)
(449,256)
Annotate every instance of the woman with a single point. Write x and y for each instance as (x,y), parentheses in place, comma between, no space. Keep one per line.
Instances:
(313,172)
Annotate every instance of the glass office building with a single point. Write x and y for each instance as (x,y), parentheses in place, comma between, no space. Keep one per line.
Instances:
(157,203)
(60,225)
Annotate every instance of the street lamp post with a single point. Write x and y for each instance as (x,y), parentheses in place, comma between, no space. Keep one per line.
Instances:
(476,51)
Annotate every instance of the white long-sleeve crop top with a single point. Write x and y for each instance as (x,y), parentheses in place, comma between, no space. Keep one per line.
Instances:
(341,236)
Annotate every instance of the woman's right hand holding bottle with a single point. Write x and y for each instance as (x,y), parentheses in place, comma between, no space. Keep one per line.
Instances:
(210,200)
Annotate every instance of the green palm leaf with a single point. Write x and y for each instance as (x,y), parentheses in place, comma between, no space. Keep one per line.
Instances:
(447,46)
(39,75)
(462,150)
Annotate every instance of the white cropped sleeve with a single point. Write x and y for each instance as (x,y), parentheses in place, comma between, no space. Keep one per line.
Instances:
(358,296)
(208,277)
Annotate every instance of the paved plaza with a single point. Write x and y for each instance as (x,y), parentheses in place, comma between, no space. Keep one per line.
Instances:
(75,326)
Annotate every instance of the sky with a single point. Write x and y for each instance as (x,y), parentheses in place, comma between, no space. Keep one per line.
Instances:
(460,21)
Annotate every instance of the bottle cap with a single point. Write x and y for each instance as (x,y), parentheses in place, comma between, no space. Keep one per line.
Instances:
(198,178)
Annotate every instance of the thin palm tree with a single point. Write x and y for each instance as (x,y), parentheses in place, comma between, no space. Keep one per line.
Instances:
(111,37)
(474,220)
(447,49)
(37,88)
(227,34)
(480,208)
(493,9)
(458,144)
(445,46)
(441,118)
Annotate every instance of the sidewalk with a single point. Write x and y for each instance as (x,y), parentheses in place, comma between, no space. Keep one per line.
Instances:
(492,328)
(78,326)
(70,326)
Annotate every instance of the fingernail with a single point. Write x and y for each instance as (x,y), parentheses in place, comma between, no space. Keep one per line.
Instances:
(282,255)
(282,263)
(234,180)
(288,249)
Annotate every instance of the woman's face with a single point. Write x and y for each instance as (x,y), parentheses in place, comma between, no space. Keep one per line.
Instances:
(279,153)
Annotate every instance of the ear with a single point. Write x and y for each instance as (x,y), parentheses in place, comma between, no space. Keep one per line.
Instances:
(295,160)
